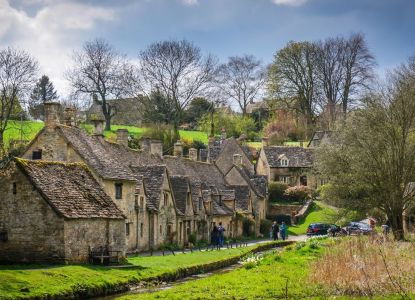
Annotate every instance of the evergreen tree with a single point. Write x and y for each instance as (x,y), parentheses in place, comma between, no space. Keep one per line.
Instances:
(44,91)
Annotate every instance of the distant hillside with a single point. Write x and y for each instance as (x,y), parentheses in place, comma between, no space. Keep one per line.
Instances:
(26,130)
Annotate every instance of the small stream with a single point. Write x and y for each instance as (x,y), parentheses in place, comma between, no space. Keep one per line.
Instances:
(147,287)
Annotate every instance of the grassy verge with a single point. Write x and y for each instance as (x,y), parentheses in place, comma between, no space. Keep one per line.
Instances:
(277,276)
(318,213)
(39,281)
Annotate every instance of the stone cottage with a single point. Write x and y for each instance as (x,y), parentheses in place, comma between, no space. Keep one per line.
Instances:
(55,212)
(290,165)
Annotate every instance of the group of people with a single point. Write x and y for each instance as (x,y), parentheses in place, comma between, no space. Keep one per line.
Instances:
(279,229)
(218,235)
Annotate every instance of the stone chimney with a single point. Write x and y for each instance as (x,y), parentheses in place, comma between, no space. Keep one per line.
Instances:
(237,160)
(69,116)
(178,149)
(98,126)
(265,141)
(52,110)
(223,134)
(145,144)
(193,154)
(156,147)
(122,137)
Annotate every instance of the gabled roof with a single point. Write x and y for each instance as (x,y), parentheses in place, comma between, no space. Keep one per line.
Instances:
(180,187)
(109,160)
(153,177)
(219,145)
(298,157)
(220,209)
(70,189)
(258,183)
(241,197)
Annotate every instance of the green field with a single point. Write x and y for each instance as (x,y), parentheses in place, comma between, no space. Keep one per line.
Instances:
(280,275)
(26,130)
(40,281)
(318,213)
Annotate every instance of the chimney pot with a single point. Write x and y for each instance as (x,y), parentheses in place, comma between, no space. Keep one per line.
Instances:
(145,144)
(98,126)
(265,141)
(193,154)
(178,149)
(156,147)
(52,110)
(69,116)
(122,137)
(223,134)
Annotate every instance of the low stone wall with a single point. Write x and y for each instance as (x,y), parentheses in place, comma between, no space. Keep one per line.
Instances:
(304,210)
(278,209)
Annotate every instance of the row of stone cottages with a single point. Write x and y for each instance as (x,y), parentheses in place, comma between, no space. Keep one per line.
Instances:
(70,192)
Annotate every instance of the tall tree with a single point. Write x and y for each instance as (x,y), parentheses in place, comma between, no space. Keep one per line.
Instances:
(17,76)
(371,158)
(179,70)
(44,91)
(99,69)
(344,67)
(241,79)
(292,79)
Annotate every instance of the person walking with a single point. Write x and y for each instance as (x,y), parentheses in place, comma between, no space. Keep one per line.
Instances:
(275,230)
(283,231)
(214,236)
(221,234)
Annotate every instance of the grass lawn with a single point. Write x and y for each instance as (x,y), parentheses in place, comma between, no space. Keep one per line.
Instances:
(40,281)
(277,276)
(318,213)
(26,130)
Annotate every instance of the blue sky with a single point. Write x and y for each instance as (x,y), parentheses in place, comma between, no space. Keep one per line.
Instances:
(51,29)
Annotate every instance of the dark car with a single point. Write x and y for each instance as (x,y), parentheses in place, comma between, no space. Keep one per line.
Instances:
(318,229)
(358,228)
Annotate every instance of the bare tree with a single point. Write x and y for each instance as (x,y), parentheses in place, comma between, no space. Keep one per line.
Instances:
(17,77)
(358,64)
(179,71)
(99,69)
(292,78)
(344,68)
(241,79)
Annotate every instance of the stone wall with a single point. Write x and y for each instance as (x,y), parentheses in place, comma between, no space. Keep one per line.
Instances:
(35,232)
(83,234)
(277,209)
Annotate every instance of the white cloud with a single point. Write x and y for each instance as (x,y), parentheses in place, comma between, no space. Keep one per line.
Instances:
(51,33)
(289,2)
(190,2)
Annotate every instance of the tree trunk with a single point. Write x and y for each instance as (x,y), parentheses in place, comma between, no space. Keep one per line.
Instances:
(212,125)
(107,123)
(2,150)
(396,220)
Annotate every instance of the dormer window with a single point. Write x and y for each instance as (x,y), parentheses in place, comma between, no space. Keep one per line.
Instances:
(166,198)
(284,162)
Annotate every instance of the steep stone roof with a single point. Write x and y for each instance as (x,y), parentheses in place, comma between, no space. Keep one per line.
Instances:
(298,157)
(258,183)
(180,186)
(195,189)
(70,189)
(207,174)
(153,177)
(231,143)
(220,209)
(109,160)
(241,197)
(227,194)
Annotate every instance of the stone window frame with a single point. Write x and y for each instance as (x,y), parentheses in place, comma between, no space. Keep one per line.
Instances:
(127,229)
(118,190)
(37,154)
(141,229)
(284,162)
(284,179)
(165,198)
(14,188)
(4,235)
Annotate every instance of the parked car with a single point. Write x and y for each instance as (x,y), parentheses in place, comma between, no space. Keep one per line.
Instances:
(318,229)
(358,228)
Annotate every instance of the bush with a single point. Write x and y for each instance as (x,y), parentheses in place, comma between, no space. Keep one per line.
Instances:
(193,238)
(247,225)
(265,226)
(297,193)
(277,191)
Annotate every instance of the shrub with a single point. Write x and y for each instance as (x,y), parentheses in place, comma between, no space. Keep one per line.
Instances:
(193,238)
(265,226)
(297,193)
(277,191)
(247,226)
